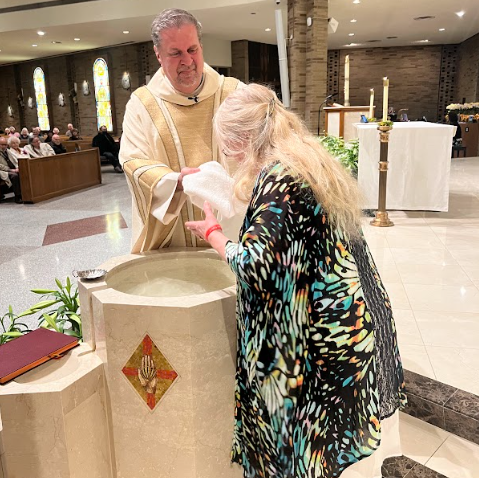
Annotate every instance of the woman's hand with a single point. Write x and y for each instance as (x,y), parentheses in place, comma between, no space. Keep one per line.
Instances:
(199,228)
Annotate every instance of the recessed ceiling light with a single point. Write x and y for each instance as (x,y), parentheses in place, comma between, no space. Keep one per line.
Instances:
(391,38)
(353,20)
(34,45)
(357,1)
(351,34)
(422,41)
(442,29)
(76,39)
(267,29)
(253,13)
(40,33)
(461,13)
(55,42)
(126,32)
(353,44)
(425,17)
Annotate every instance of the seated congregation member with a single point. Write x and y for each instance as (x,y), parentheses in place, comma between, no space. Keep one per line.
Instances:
(12,131)
(57,145)
(69,130)
(36,133)
(24,135)
(36,149)
(48,137)
(454,121)
(9,171)
(74,135)
(7,131)
(319,379)
(14,149)
(56,131)
(108,148)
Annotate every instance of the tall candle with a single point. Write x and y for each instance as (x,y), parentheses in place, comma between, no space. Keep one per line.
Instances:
(385,98)
(346,82)
(371,104)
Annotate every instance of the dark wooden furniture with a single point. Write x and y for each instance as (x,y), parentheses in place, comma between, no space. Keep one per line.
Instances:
(52,176)
(470,138)
(457,149)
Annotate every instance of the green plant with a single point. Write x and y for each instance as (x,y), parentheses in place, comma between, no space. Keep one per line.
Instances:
(386,123)
(346,153)
(65,318)
(11,328)
(372,120)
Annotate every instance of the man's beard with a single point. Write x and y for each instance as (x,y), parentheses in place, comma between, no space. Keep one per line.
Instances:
(189,80)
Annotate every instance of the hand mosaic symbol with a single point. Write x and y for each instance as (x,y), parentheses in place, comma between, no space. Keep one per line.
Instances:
(147,374)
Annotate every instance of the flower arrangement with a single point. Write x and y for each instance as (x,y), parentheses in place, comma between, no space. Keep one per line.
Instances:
(465,109)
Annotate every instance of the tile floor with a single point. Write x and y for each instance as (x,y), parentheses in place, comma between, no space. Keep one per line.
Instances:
(437,449)
(428,261)
(430,265)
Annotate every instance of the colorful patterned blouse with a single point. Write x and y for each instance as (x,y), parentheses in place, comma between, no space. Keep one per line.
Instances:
(318,364)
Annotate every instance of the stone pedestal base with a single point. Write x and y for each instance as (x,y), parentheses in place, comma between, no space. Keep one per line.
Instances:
(55,420)
(170,367)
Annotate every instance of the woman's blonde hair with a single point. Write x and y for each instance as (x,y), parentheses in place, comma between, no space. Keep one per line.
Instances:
(13,139)
(253,122)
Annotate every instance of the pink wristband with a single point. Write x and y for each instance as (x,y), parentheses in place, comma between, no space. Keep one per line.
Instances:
(216,227)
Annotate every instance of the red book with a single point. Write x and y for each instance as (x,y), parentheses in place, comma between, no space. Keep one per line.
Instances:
(30,350)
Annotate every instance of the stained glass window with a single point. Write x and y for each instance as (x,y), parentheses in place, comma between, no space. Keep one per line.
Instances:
(102,94)
(41,97)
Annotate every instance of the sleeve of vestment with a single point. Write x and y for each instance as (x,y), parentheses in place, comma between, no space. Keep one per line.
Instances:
(140,158)
(270,265)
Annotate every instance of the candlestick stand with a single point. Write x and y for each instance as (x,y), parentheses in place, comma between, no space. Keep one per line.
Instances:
(382,218)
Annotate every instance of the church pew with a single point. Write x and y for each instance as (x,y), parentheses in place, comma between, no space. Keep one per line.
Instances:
(52,176)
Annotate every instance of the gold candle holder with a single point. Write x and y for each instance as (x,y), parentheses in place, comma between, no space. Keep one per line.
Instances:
(382,218)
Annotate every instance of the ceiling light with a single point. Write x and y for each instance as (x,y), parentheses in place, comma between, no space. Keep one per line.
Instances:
(421,41)
(353,44)
(424,17)
(40,33)
(461,13)
(253,13)
(126,32)
(391,38)
(353,20)
(267,29)
(56,42)
(351,34)
(76,39)
(34,45)
(357,1)
(442,29)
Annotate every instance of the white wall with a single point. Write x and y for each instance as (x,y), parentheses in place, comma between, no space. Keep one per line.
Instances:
(216,52)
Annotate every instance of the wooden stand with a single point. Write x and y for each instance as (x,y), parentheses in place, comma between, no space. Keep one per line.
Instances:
(470,138)
(340,120)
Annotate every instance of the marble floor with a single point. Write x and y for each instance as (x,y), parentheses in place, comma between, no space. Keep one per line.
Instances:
(430,265)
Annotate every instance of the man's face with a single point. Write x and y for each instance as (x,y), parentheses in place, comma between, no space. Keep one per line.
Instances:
(181,56)
(70,126)
(36,143)
(56,131)
(56,139)
(36,131)
(3,144)
(103,129)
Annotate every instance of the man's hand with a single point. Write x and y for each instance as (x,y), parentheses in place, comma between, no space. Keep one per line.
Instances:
(184,172)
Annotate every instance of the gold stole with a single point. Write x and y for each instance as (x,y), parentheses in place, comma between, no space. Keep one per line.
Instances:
(186,134)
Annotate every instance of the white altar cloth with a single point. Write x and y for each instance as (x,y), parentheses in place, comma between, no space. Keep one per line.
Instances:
(419,166)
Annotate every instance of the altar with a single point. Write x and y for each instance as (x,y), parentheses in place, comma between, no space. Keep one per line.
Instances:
(419,166)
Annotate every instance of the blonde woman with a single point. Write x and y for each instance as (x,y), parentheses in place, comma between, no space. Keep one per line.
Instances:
(319,379)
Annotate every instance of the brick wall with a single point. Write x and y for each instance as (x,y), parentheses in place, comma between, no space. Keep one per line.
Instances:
(414,74)
(468,71)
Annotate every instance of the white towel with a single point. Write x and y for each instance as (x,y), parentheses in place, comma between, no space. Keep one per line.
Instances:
(213,184)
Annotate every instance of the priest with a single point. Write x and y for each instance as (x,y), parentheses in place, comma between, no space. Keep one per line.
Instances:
(167,133)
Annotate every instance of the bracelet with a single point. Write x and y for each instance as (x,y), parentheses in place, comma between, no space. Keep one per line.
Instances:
(216,227)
